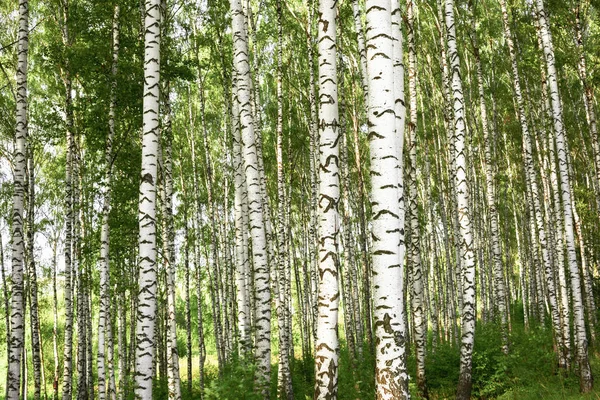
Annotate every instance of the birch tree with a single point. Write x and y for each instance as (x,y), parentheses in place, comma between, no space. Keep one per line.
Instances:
(386,159)
(146,311)
(327,341)
(284,385)
(17,320)
(241,236)
(105,339)
(257,233)
(467,257)
(69,214)
(169,247)
(417,270)
(32,275)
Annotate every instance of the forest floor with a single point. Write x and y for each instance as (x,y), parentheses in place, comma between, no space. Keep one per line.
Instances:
(529,371)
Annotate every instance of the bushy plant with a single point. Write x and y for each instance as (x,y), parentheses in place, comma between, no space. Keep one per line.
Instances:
(237,382)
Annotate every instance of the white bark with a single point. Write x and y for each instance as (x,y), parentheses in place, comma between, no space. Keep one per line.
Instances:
(417,270)
(464,231)
(17,310)
(387,252)
(146,312)
(262,294)
(241,236)
(312,170)
(104,320)
(588,98)
(327,341)
(284,385)
(67,388)
(174,384)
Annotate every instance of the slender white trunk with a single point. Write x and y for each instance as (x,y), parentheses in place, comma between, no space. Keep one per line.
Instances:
(36,353)
(284,385)
(105,342)
(121,344)
(188,309)
(147,282)
(80,275)
(7,310)
(467,257)
(68,256)
(174,384)
(241,236)
(312,170)
(417,270)
(17,310)
(327,341)
(588,98)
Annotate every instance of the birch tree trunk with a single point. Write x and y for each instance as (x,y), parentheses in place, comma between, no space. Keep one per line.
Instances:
(17,310)
(465,239)
(588,99)
(146,311)
(55,316)
(586,380)
(201,343)
(448,115)
(312,170)
(417,270)
(188,309)
(262,294)
(121,346)
(69,216)
(36,352)
(284,385)
(241,235)
(348,275)
(79,271)
(6,311)
(174,383)
(327,341)
(386,161)
(105,340)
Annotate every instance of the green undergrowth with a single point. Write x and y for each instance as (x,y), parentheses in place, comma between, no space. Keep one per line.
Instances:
(529,371)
